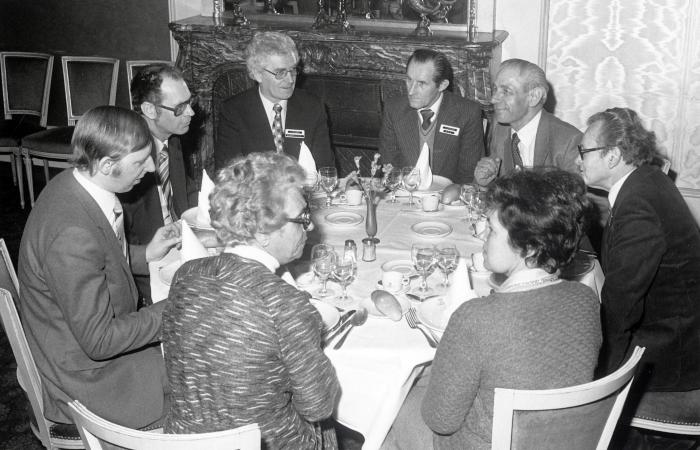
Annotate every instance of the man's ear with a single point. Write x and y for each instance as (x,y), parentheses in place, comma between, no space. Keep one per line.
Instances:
(105,165)
(535,96)
(613,157)
(443,85)
(149,110)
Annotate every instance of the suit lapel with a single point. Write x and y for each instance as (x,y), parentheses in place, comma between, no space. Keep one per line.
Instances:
(442,142)
(542,140)
(408,127)
(177,175)
(257,124)
(295,121)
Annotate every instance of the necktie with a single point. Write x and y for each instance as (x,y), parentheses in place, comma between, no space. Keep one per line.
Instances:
(165,185)
(427,115)
(517,159)
(118,227)
(277,133)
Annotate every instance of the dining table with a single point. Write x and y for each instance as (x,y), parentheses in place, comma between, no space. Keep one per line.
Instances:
(379,360)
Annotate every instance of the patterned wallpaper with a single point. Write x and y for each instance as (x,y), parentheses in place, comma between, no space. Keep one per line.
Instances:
(642,54)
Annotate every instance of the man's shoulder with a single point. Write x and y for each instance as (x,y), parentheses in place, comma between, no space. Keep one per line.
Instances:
(559,127)
(242,97)
(306,98)
(450,98)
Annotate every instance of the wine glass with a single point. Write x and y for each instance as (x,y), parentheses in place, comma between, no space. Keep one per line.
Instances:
(410,179)
(424,259)
(323,259)
(392,181)
(328,179)
(467,194)
(447,257)
(344,273)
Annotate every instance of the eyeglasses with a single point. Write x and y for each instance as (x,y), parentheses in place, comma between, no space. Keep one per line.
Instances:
(304,219)
(282,73)
(582,151)
(180,109)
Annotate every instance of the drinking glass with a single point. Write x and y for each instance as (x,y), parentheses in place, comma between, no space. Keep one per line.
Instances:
(410,180)
(323,259)
(424,259)
(392,181)
(467,194)
(328,179)
(447,257)
(309,186)
(344,273)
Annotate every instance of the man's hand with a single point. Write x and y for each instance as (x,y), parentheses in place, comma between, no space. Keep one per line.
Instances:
(165,238)
(486,170)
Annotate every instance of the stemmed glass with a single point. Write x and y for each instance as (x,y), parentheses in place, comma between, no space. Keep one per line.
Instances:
(410,180)
(474,199)
(323,259)
(424,259)
(328,179)
(447,257)
(344,273)
(392,181)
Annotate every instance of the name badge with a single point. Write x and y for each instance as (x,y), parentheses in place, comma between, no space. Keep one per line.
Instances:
(292,133)
(452,131)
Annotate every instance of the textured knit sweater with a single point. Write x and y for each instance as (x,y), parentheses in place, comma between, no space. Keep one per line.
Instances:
(242,346)
(544,338)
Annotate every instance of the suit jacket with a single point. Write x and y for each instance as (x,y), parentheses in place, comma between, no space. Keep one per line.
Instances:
(651,295)
(78,309)
(454,156)
(243,128)
(555,144)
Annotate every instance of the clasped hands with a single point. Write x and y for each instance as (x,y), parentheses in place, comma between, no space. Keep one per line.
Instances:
(486,170)
(166,237)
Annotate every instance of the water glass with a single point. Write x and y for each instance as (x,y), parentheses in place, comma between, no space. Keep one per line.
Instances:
(424,260)
(323,258)
(410,180)
(447,258)
(328,179)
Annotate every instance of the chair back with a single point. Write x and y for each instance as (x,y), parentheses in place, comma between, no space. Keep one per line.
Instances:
(94,430)
(22,74)
(133,66)
(576,417)
(88,82)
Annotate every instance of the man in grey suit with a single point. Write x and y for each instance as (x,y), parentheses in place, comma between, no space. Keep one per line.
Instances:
(450,124)
(78,303)
(525,135)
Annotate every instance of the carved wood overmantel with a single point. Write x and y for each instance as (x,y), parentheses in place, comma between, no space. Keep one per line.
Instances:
(353,73)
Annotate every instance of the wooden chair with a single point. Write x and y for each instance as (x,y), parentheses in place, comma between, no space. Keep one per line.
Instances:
(26,83)
(577,417)
(94,430)
(132,67)
(88,82)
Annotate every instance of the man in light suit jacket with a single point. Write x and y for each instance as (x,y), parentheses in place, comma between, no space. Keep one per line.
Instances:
(160,95)
(542,139)
(651,260)
(248,121)
(78,303)
(450,124)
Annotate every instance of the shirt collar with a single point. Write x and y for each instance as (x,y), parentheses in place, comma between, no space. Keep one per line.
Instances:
(256,254)
(528,133)
(615,188)
(435,107)
(105,199)
(527,279)
(267,106)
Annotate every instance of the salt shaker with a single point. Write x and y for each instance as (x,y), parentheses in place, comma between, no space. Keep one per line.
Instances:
(350,250)
(369,249)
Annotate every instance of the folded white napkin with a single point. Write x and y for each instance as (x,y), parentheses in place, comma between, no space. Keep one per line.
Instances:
(423,167)
(202,217)
(460,290)
(192,248)
(306,161)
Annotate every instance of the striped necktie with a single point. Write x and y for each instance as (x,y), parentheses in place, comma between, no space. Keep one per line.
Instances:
(427,115)
(515,150)
(277,132)
(165,185)
(118,227)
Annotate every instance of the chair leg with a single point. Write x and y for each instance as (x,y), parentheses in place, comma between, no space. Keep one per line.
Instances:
(20,177)
(14,168)
(46,170)
(30,177)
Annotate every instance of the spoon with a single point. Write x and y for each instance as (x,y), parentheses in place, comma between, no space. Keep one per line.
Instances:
(357,319)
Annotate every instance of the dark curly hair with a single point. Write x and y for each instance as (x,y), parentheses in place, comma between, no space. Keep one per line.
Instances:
(622,128)
(145,87)
(546,212)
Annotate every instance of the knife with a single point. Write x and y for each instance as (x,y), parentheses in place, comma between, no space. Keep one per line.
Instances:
(344,318)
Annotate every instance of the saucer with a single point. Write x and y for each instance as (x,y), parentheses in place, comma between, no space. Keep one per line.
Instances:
(403,290)
(405,266)
(431,229)
(344,218)
(329,314)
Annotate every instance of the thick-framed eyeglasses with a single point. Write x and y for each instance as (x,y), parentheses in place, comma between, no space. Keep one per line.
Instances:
(282,73)
(304,219)
(582,151)
(180,109)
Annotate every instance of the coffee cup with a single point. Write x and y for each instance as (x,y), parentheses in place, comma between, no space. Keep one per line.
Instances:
(480,281)
(430,202)
(393,281)
(353,197)
(478,262)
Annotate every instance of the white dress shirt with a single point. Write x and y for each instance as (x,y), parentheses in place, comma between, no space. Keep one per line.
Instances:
(527,136)
(267,106)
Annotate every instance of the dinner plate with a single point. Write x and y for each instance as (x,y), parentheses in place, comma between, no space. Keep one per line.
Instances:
(167,272)
(431,229)
(405,266)
(344,218)
(439,183)
(433,313)
(329,314)
(374,312)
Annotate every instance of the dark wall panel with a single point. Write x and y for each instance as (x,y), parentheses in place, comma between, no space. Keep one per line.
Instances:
(124,29)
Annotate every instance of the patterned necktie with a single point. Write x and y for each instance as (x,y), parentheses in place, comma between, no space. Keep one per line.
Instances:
(517,159)
(277,132)
(427,117)
(118,227)
(165,185)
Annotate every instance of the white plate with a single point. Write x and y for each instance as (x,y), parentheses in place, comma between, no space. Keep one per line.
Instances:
(433,313)
(431,229)
(405,266)
(374,312)
(439,183)
(167,272)
(403,290)
(329,314)
(190,216)
(344,218)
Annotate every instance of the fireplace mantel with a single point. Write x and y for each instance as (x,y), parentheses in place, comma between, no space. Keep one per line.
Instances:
(353,73)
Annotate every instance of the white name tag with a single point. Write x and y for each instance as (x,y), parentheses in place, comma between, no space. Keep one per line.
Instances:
(452,131)
(292,133)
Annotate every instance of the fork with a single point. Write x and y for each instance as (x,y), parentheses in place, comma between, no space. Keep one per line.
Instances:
(413,322)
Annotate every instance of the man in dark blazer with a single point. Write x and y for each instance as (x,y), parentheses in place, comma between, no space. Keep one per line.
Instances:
(247,120)
(453,132)
(520,92)
(160,95)
(651,260)
(78,303)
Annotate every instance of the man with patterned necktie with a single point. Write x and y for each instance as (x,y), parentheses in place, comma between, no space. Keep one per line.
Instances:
(524,134)
(274,116)
(449,124)
(160,95)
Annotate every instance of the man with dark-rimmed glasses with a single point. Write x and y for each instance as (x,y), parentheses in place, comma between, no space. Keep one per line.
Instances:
(159,93)
(273,116)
